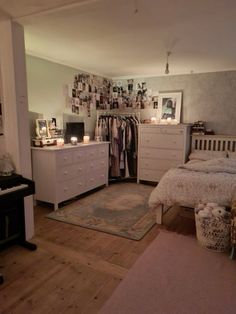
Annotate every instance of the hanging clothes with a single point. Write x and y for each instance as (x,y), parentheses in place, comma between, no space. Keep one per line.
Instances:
(122,133)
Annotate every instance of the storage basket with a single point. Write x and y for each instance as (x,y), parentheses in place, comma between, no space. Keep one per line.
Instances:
(213,232)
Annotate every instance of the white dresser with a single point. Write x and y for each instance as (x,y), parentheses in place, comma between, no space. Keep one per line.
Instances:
(61,173)
(160,148)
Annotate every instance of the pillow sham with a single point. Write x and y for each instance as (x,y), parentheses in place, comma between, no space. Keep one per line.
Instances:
(206,154)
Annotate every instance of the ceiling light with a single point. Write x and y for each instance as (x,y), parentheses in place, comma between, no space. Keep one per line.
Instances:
(135,6)
(167,62)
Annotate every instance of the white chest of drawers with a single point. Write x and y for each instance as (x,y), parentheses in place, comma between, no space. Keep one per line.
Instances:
(160,148)
(68,171)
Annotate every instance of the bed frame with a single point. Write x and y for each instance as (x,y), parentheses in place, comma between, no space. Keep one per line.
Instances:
(205,143)
(214,142)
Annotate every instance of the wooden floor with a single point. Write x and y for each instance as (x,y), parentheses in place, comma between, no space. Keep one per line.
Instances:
(74,270)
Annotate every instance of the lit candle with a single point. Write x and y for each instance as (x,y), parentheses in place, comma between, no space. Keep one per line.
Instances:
(60,141)
(168,120)
(86,139)
(73,140)
(153,120)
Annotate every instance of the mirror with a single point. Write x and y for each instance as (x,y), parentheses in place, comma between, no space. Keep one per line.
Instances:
(42,129)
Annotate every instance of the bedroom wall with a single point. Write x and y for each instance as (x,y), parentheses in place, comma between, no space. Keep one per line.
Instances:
(45,82)
(210,97)
(46,90)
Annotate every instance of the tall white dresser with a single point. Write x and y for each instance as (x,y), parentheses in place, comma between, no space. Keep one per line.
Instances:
(160,148)
(61,173)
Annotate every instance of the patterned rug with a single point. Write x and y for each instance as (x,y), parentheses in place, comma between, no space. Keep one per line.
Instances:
(120,209)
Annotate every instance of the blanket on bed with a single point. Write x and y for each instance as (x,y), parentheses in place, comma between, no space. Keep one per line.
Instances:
(197,182)
(213,165)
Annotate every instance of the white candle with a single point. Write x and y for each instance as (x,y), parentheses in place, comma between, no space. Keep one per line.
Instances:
(153,120)
(86,139)
(60,141)
(168,120)
(73,140)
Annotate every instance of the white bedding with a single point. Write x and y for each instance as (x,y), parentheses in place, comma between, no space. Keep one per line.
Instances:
(197,182)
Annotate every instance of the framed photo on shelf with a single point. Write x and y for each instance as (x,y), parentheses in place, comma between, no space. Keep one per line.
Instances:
(169,104)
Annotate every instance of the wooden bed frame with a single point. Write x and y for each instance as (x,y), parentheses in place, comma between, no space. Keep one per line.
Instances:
(214,142)
(204,143)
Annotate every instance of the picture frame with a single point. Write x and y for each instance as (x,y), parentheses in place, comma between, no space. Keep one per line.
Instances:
(42,129)
(170,104)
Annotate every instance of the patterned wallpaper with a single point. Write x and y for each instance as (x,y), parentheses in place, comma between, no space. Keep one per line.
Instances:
(210,97)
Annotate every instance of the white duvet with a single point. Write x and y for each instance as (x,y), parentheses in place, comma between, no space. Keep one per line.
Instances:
(197,182)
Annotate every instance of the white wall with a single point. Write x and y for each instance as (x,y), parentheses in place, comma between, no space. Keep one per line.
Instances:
(15,106)
(46,84)
(210,97)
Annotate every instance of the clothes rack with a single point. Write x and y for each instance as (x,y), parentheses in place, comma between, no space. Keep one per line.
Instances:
(117,113)
(120,129)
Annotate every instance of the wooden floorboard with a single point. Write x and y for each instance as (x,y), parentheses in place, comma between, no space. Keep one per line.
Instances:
(74,270)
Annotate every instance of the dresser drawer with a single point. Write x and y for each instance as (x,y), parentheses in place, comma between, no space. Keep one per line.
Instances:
(151,175)
(166,141)
(92,153)
(71,188)
(64,158)
(158,164)
(157,153)
(65,190)
(161,130)
(70,171)
(96,178)
(103,151)
(79,155)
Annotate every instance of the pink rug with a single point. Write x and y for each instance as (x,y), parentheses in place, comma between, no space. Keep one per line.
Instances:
(176,276)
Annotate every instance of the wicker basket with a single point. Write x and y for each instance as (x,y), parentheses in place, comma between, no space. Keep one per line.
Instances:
(213,233)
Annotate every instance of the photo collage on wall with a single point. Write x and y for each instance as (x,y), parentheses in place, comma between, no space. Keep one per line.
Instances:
(89,92)
(93,92)
(135,96)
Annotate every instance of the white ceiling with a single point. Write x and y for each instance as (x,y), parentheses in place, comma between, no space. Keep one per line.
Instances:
(107,37)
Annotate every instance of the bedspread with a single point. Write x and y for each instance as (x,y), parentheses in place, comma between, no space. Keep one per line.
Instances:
(197,182)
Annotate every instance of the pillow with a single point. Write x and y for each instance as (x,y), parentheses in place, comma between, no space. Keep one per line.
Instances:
(231,154)
(206,154)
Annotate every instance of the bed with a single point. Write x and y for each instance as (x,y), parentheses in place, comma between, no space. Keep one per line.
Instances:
(209,176)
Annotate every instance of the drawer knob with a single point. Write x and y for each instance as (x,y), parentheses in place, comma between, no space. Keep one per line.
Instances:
(65,172)
(65,158)
(65,189)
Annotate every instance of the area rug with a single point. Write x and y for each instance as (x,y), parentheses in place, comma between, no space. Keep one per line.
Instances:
(120,209)
(175,275)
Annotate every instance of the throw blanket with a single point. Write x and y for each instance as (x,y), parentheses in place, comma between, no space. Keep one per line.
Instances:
(213,165)
(197,182)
